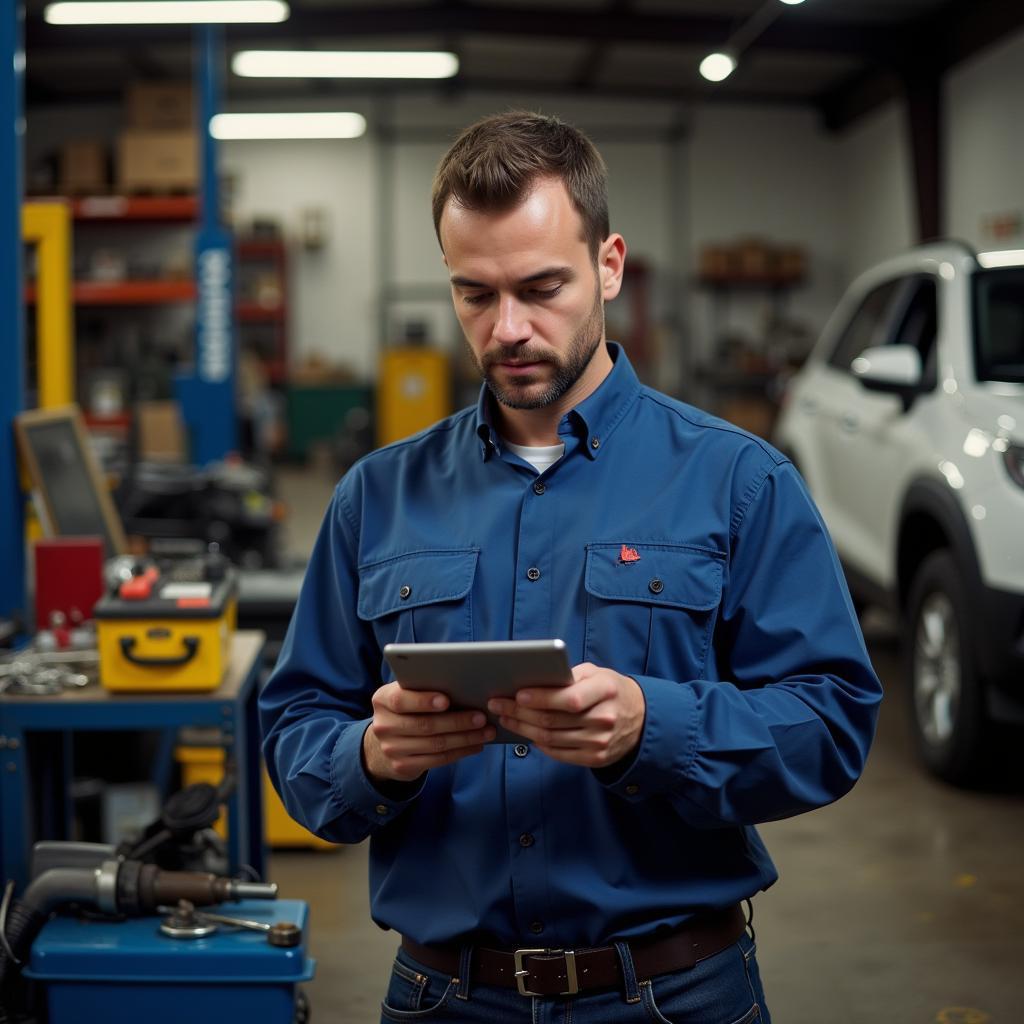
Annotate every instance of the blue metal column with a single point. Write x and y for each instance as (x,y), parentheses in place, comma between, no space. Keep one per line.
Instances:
(12,305)
(208,400)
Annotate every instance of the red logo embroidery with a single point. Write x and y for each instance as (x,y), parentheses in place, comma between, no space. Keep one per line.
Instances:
(628,555)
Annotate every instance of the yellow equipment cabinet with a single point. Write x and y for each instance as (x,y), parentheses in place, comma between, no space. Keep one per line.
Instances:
(206,764)
(413,391)
(159,634)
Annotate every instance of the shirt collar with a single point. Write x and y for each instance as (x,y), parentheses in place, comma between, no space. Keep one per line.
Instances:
(593,419)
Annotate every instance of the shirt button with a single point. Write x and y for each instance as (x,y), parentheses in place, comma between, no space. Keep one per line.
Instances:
(632,789)
(521,750)
(405,592)
(536,927)
(533,573)
(526,840)
(655,586)
(539,488)
(595,443)
(382,808)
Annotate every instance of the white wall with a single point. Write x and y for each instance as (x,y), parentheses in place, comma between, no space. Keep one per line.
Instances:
(771,174)
(876,183)
(985,144)
(332,291)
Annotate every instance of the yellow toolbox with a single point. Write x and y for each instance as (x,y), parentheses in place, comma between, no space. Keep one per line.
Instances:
(166,632)
(206,764)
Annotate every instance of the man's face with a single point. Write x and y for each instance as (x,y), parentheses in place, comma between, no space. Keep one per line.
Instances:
(529,296)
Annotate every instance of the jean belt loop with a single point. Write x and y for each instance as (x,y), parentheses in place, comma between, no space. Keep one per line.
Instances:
(465,966)
(628,972)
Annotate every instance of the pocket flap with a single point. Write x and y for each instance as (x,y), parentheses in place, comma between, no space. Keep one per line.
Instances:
(666,574)
(408,581)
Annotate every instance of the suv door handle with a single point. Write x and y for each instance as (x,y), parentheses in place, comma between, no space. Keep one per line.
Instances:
(849,423)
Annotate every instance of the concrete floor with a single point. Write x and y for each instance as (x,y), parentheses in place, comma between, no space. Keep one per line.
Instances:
(897,905)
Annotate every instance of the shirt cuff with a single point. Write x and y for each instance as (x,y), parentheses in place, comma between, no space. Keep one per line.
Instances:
(355,789)
(667,743)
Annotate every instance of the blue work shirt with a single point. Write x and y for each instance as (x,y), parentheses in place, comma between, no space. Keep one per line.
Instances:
(734,619)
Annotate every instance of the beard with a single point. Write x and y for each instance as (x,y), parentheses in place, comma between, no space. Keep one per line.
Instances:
(568,367)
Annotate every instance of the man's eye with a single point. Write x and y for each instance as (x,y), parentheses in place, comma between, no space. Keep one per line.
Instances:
(546,293)
(477,299)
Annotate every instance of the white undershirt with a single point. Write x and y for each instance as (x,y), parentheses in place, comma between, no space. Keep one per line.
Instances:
(540,458)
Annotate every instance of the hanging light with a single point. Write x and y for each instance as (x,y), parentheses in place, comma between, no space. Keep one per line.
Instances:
(164,12)
(313,125)
(716,67)
(344,64)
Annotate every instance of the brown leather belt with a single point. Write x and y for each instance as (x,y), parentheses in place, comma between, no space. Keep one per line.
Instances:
(561,972)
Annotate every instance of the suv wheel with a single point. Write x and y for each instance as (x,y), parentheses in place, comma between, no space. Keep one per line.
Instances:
(947,699)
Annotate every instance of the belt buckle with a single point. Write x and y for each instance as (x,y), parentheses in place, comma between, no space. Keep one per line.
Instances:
(570,969)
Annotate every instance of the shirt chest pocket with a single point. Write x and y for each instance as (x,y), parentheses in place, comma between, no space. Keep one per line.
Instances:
(651,607)
(420,597)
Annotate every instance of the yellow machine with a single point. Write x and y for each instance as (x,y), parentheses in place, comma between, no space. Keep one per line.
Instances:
(414,390)
(158,634)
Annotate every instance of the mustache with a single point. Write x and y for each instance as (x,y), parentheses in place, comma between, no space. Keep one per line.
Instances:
(521,356)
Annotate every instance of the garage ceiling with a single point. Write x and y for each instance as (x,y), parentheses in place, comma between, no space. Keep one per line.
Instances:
(840,56)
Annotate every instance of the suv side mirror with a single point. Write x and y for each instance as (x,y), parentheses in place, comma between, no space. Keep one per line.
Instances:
(891,369)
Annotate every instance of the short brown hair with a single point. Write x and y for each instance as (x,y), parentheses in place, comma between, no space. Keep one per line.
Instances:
(494,163)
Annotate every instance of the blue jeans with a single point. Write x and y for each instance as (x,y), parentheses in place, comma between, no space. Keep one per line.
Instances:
(723,989)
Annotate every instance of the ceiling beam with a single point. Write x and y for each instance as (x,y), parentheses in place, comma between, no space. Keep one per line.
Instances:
(596,56)
(449,16)
(948,36)
(363,90)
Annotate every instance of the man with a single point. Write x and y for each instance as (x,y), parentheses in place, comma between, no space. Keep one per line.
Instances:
(720,680)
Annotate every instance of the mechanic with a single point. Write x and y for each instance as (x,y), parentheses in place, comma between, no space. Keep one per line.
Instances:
(721,678)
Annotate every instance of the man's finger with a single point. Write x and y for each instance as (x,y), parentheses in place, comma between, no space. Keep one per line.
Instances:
(573,699)
(560,739)
(418,746)
(396,698)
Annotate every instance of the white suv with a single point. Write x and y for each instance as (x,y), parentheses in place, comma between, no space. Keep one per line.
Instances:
(907,422)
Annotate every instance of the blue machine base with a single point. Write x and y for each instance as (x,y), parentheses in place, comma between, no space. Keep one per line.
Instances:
(128,971)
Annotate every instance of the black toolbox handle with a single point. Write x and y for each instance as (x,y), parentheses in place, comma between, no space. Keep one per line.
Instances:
(191,644)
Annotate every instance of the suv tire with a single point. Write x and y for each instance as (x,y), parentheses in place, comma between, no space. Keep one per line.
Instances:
(947,704)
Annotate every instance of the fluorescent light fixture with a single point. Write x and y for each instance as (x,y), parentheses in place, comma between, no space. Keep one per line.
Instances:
(792,3)
(1004,258)
(288,126)
(716,67)
(343,64)
(164,12)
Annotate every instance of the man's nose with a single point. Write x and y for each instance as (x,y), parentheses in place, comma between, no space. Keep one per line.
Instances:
(513,323)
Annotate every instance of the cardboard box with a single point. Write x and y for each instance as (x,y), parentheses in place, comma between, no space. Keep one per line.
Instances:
(151,161)
(84,167)
(162,436)
(159,106)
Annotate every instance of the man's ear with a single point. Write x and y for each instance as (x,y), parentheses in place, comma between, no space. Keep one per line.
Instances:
(611,261)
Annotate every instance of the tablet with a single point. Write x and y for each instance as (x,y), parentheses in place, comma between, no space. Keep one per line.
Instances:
(472,673)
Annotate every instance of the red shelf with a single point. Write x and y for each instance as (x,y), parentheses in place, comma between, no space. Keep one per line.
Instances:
(181,208)
(271,247)
(253,313)
(138,208)
(126,293)
(761,280)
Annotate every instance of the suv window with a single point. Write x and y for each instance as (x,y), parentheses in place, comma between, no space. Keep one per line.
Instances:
(919,326)
(868,325)
(999,324)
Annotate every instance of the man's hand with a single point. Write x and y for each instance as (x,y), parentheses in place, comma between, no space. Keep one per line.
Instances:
(595,721)
(413,731)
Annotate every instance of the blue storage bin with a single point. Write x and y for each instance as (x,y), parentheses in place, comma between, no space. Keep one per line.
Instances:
(129,971)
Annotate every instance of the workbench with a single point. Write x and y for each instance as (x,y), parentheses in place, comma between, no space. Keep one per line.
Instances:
(35,735)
